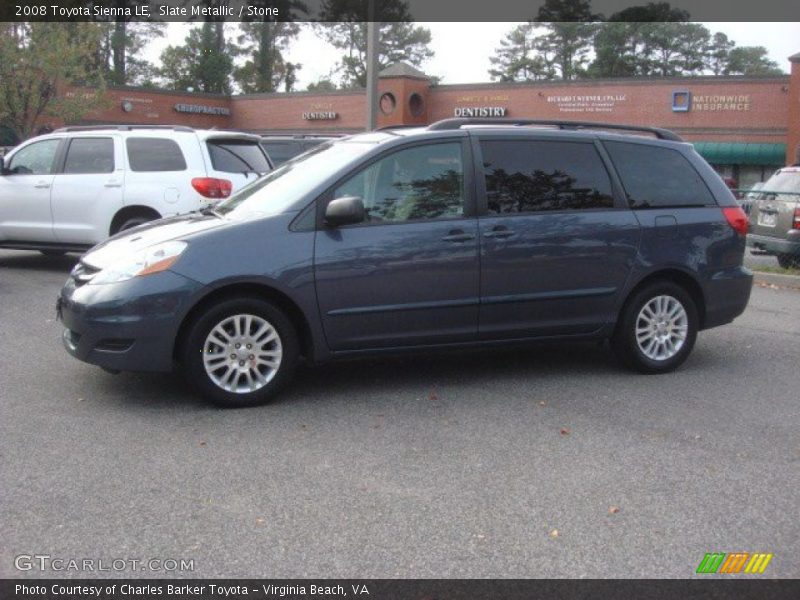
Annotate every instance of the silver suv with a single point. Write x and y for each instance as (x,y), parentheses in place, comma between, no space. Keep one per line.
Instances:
(775,218)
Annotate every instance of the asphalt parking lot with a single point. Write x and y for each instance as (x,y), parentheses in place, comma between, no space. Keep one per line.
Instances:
(502,464)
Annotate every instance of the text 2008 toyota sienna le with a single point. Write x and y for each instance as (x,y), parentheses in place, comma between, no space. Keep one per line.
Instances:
(466,232)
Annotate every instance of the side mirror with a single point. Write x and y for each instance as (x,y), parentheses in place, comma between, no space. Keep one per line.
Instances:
(345,211)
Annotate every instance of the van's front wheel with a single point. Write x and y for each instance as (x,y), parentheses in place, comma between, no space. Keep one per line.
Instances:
(240,352)
(657,328)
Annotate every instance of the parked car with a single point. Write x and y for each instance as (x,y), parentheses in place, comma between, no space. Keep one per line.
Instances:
(775,218)
(281,148)
(69,190)
(442,237)
(748,196)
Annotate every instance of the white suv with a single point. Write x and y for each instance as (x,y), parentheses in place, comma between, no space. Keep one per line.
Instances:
(69,190)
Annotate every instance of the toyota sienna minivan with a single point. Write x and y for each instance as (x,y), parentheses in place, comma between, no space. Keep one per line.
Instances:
(468,232)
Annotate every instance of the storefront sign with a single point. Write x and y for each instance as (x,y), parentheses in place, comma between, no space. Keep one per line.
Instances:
(721,103)
(202,109)
(598,103)
(322,115)
(479,111)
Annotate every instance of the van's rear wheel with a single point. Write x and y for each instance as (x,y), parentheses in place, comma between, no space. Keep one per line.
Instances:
(240,352)
(657,328)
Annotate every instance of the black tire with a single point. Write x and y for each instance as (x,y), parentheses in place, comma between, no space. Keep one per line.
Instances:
(789,261)
(192,354)
(53,252)
(624,341)
(134,222)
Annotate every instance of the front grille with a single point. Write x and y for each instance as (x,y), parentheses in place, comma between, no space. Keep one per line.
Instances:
(83,273)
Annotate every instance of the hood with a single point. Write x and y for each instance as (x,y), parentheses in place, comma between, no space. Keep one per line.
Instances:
(130,241)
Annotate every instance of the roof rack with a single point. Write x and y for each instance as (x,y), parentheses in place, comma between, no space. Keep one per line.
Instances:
(121,128)
(458,123)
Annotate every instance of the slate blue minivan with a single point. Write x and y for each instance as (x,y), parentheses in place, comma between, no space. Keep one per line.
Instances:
(467,232)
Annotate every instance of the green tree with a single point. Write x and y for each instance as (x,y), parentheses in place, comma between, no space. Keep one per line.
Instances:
(626,44)
(568,30)
(323,84)
(516,59)
(750,60)
(264,42)
(718,53)
(398,39)
(203,63)
(47,69)
(122,47)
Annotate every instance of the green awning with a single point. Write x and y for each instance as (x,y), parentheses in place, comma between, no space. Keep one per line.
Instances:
(742,153)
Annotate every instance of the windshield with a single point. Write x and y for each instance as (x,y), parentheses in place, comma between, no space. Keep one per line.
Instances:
(287,184)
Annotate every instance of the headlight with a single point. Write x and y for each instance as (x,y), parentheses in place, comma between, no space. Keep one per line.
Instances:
(145,262)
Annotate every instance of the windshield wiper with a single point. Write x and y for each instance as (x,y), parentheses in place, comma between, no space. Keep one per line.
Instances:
(209,212)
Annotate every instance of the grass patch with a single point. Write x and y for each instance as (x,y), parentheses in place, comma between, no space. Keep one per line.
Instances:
(778,270)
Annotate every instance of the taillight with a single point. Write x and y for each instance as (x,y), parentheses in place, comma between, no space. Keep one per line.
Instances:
(796,221)
(736,219)
(211,187)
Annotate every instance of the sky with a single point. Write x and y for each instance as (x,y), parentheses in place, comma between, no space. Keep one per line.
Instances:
(462,50)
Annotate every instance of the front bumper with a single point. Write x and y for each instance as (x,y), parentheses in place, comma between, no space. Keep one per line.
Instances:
(726,295)
(126,326)
(775,245)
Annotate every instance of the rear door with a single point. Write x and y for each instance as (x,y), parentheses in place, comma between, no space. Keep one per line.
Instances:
(773,212)
(409,274)
(556,242)
(25,213)
(87,192)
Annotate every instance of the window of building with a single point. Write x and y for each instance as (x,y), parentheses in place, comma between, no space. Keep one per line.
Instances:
(539,175)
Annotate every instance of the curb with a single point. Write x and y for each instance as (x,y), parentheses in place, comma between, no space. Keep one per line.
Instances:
(790,281)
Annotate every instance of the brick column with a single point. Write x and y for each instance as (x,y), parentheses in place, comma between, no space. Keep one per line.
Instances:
(793,125)
(403,96)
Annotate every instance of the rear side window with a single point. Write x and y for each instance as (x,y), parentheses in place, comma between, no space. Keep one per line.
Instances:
(536,175)
(155,154)
(237,156)
(657,177)
(90,155)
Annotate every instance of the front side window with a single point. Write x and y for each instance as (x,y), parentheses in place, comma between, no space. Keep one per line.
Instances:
(525,176)
(154,155)
(658,177)
(35,159)
(90,155)
(423,182)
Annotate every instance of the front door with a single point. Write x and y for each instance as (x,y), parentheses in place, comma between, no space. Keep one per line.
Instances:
(556,248)
(25,189)
(408,275)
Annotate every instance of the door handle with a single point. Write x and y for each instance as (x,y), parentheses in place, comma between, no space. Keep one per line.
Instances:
(113,184)
(458,235)
(42,185)
(499,232)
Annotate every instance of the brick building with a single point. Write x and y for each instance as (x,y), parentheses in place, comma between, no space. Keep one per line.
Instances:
(744,126)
